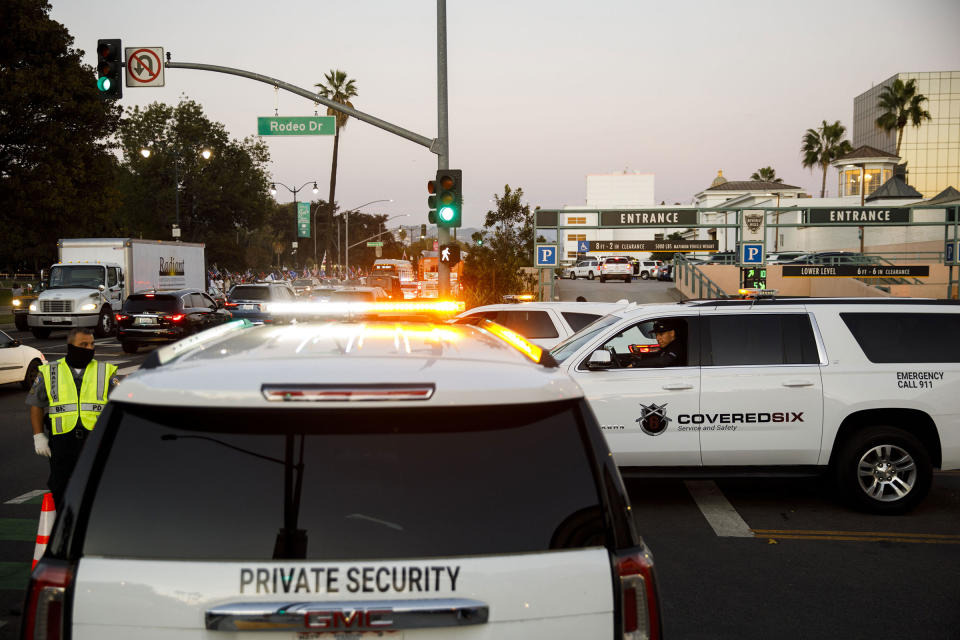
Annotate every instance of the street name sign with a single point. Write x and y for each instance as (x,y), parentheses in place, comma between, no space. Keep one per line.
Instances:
(144,66)
(374,244)
(296,125)
(855,271)
(303,219)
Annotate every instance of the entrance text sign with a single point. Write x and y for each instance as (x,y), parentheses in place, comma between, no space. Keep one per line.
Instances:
(296,126)
(673,246)
(648,218)
(855,271)
(889,215)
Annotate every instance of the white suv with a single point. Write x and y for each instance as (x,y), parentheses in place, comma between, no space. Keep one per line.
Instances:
(588,268)
(545,324)
(866,390)
(616,267)
(345,480)
(646,269)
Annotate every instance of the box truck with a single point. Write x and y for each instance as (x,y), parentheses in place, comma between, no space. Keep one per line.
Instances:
(93,277)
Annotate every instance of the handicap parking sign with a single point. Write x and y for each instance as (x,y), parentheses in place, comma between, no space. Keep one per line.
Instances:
(583,246)
(751,253)
(546,255)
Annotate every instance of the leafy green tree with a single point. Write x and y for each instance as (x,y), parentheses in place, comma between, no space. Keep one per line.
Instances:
(766,174)
(823,145)
(220,196)
(902,105)
(57,174)
(495,267)
(340,89)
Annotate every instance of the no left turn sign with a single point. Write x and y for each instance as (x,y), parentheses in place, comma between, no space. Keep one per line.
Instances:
(144,66)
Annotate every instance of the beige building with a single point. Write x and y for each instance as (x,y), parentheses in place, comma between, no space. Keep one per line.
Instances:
(930,151)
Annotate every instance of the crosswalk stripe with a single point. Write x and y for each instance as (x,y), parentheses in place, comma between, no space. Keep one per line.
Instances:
(718,511)
(26,497)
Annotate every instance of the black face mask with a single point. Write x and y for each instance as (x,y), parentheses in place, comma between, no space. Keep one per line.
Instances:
(78,357)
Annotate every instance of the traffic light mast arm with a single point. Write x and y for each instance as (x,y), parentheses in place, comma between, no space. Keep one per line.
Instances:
(430,143)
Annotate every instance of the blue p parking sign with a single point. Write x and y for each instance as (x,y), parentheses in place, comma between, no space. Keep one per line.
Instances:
(751,253)
(546,255)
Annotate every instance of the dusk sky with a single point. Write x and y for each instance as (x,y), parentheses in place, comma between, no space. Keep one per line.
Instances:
(541,93)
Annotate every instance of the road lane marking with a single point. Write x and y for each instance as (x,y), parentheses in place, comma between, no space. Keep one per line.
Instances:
(127,370)
(858,536)
(718,511)
(26,497)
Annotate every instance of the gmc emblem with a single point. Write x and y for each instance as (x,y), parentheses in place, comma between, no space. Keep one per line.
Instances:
(353,620)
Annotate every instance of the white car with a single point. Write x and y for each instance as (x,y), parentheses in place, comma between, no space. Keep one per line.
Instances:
(864,390)
(616,267)
(18,362)
(345,480)
(543,323)
(586,268)
(648,269)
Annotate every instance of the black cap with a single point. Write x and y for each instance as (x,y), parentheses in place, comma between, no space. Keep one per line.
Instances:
(664,325)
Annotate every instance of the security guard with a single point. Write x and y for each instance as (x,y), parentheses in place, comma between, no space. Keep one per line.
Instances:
(71,393)
(673,352)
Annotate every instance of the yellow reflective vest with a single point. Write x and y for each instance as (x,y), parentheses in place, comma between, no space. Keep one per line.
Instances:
(65,407)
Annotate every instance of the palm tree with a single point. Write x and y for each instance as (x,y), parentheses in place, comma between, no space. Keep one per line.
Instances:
(902,105)
(823,145)
(766,174)
(340,89)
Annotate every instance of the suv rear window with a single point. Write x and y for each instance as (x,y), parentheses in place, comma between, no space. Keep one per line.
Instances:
(376,484)
(141,303)
(616,261)
(906,337)
(529,324)
(250,293)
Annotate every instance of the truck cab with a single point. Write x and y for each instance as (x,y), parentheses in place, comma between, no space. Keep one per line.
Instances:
(80,294)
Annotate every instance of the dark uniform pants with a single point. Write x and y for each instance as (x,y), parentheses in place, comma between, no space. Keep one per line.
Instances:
(64,451)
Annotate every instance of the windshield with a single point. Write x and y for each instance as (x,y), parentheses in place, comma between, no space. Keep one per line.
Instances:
(303,283)
(250,293)
(351,296)
(572,344)
(72,276)
(148,302)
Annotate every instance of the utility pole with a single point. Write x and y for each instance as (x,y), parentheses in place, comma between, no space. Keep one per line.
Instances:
(443,139)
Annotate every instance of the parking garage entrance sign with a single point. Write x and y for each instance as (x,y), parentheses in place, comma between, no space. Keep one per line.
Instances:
(648,218)
(673,246)
(890,215)
(855,271)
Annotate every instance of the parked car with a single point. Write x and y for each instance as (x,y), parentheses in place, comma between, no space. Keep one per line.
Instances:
(543,323)
(346,480)
(250,301)
(783,257)
(158,317)
(303,286)
(645,268)
(665,273)
(832,257)
(18,362)
(586,268)
(722,257)
(615,267)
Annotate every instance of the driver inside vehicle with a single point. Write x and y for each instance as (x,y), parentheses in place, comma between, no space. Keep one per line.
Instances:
(635,347)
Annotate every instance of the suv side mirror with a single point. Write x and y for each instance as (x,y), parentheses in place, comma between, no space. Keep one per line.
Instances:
(600,360)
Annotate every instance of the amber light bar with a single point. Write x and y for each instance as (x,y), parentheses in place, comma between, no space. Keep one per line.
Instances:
(339,308)
(515,340)
(346,393)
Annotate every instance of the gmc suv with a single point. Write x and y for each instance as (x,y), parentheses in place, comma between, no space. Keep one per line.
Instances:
(339,480)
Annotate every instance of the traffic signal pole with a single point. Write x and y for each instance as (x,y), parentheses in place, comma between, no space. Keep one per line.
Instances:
(443,140)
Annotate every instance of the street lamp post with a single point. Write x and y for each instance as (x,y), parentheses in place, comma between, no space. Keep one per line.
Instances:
(346,232)
(273,192)
(205,154)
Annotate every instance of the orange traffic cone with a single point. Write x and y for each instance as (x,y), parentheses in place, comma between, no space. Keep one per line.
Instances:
(48,513)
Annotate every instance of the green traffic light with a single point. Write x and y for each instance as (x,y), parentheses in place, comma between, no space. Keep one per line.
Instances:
(103,84)
(447,214)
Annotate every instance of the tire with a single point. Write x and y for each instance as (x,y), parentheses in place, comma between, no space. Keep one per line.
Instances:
(644,275)
(106,326)
(883,470)
(20,321)
(572,276)
(129,347)
(33,369)
(40,333)
(590,275)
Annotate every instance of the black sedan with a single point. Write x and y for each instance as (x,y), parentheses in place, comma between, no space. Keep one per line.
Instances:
(157,317)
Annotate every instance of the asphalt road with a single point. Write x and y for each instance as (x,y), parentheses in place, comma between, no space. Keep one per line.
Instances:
(638,291)
(735,559)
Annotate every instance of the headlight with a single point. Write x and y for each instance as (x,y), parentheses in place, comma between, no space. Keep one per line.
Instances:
(33,306)
(16,302)
(88,307)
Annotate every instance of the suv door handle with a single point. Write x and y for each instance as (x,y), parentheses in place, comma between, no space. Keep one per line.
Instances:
(797,383)
(677,386)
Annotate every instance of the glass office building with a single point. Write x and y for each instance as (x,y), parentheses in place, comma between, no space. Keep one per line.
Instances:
(930,151)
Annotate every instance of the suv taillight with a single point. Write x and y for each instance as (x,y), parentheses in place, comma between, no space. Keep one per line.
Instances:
(46,600)
(639,606)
